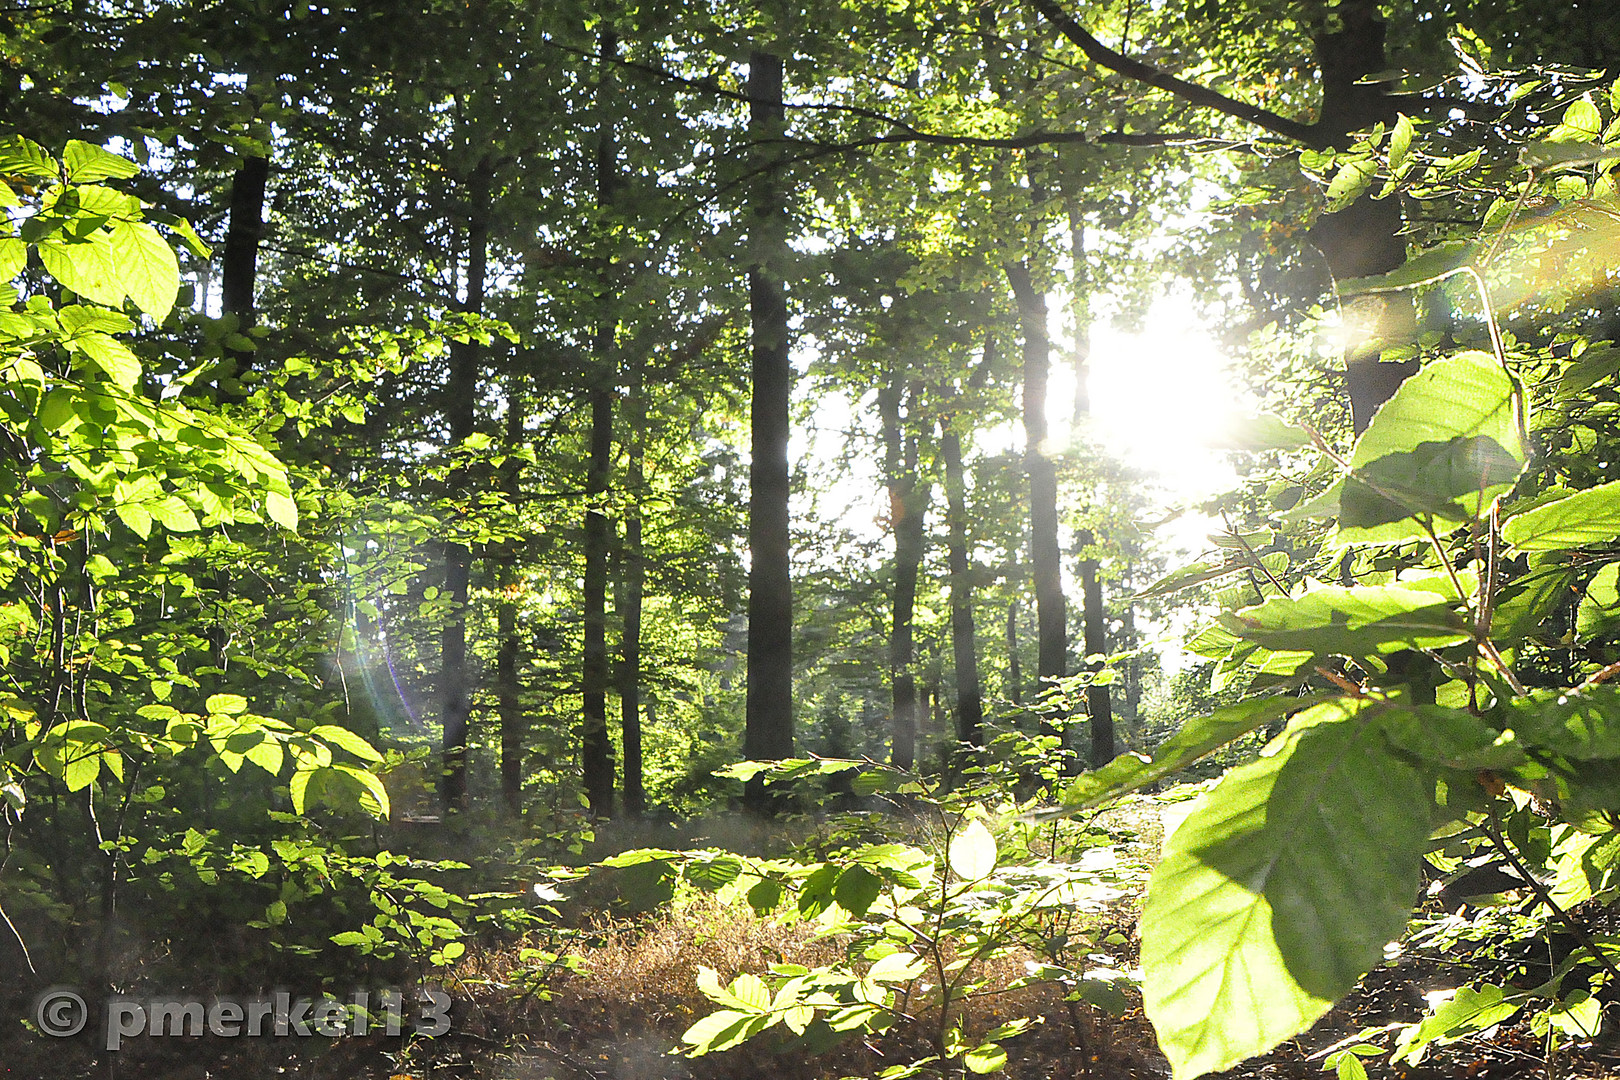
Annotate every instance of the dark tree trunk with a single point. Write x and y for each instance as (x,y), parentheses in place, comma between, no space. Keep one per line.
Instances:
(907,509)
(1365,237)
(509,703)
(964,652)
(239,264)
(461,394)
(1050,612)
(1099,705)
(596,743)
(769,725)
(635,797)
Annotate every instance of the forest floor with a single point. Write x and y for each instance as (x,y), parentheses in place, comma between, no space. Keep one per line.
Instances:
(621,1015)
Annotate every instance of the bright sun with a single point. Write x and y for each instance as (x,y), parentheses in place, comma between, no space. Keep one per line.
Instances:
(1161,398)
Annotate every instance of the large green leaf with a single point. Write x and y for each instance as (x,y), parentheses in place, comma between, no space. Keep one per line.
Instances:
(1199,736)
(1587,517)
(146,267)
(1445,444)
(85,162)
(1352,621)
(87,267)
(1280,891)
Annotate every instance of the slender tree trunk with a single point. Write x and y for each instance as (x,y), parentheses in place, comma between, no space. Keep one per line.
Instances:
(509,702)
(907,509)
(1099,702)
(1015,677)
(239,264)
(1050,612)
(964,651)
(596,748)
(1099,705)
(461,393)
(635,797)
(769,725)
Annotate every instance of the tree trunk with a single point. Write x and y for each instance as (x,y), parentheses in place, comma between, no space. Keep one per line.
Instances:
(769,724)
(1099,705)
(1099,702)
(1364,238)
(635,797)
(907,509)
(964,652)
(1015,677)
(596,744)
(240,260)
(509,703)
(461,393)
(1050,614)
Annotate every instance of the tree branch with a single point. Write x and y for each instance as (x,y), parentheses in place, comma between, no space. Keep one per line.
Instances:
(1101,54)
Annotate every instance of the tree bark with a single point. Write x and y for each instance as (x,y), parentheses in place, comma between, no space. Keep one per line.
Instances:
(239,263)
(1050,609)
(769,724)
(635,796)
(907,510)
(1099,701)
(1365,237)
(1015,677)
(461,394)
(509,703)
(596,744)
(964,650)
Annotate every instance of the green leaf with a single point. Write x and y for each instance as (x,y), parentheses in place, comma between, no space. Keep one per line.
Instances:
(897,967)
(1468,1012)
(1350,181)
(1358,620)
(1449,481)
(227,704)
(81,768)
(1587,517)
(972,853)
(347,740)
(722,1030)
(856,889)
(282,510)
(1469,407)
(298,788)
(985,1058)
(111,356)
(20,157)
(1436,264)
(146,267)
(85,163)
(135,516)
(1582,123)
(86,267)
(765,895)
(1198,737)
(13,257)
(1599,612)
(1400,143)
(1279,892)
(713,872)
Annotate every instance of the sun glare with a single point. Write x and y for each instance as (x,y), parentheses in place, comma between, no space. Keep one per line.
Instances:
(1161,398)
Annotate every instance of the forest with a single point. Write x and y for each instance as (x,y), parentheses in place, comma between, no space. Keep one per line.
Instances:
(613,540)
